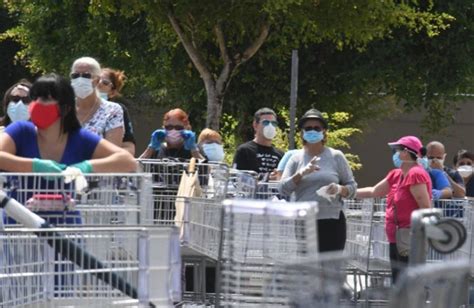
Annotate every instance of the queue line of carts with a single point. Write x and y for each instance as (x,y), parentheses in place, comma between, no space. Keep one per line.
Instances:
(149,239)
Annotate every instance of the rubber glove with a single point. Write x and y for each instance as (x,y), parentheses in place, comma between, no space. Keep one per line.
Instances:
(189,140)
(310,167)
(157,137)
(84,166)
(333,189)
(46,165)
(436,193)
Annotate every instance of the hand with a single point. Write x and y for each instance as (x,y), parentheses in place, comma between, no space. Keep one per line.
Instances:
(189,140)
(333,189)
(46,165)
(157,137)
(436,193)
(84,166)
(310,167)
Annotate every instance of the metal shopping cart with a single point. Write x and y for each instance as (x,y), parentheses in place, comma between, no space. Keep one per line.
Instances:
(85,267)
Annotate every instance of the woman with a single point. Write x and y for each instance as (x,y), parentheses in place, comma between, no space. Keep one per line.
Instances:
(407,187)
(210,145)
(174,140)
(303,177)
(110,84)
(15,103)
(463,162)
(99,116)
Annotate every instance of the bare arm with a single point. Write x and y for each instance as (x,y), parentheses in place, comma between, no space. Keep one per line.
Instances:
(8,160)
(420,193)
(446,193)
(196,154)
(458,190)
(381,189)
(129,147)
(115,135)
(149,152)
(108,157)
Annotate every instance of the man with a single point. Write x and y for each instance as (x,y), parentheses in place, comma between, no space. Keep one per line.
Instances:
(436,155)
(258,154)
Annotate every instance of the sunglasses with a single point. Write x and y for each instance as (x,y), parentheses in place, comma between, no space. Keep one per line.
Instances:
(176,127)
(268,122)
(83,75)
(465,164)
(315,128)
(105,82)
(16,99)
(432,157)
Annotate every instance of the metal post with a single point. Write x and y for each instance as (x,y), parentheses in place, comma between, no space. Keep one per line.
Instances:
(293,96)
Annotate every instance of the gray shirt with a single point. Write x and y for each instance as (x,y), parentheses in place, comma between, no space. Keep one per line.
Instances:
(334,168)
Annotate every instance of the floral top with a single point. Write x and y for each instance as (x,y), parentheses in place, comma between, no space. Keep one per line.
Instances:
(107,117)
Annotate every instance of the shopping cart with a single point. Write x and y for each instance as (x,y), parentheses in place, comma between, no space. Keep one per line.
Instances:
(113,266)
(110,198)
(256,235)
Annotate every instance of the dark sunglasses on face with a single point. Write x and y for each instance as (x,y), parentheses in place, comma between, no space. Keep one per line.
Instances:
(465,164)
(16,99)
(315,128)
(176,127)
(268,122)
(83,75)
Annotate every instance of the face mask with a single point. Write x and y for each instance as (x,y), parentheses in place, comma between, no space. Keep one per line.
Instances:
(82,87)
(213,151)
(18,111)
(43,116)
(173,136)
(397,162)
(465,171)
(424,162)
(313,136)
(104,95)
(269,131)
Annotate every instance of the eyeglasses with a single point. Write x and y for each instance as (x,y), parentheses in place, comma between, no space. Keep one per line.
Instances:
(316,128)
(268,122)
(105,82)
(465,164)
(433,157)
(83,75)
(16,99)
(177,127)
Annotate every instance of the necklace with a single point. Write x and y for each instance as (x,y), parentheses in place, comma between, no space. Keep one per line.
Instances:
(89,114)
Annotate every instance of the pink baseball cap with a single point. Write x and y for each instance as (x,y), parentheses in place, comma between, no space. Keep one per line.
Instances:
(411,142)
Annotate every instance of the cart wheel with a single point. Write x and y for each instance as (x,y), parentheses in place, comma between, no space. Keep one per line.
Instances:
(456,236)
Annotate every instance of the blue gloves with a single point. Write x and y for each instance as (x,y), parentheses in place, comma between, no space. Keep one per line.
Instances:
(189,140)
(46,165)
(157,137)
(436,194)
(84,166)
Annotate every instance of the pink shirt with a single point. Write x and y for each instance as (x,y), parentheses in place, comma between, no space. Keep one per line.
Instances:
(400,195)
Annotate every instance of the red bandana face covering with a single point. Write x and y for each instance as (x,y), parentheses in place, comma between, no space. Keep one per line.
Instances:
(43,116)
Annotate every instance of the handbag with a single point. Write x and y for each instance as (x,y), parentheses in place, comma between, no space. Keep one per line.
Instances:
(403,241)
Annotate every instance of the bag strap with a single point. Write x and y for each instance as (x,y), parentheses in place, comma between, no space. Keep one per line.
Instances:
(393,201)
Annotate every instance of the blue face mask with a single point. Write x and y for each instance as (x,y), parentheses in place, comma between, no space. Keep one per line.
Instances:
(397,162)
(104,95)
(18,111)
(424,162)
(313,136)
(213,151)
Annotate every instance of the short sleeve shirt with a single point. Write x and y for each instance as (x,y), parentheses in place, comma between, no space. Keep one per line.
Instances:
(256,157)
(107,117)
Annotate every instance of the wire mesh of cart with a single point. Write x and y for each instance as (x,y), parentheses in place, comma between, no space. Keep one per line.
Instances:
(84,267)
(312,282)
(432,285)
(167,174)
(109,198)
(257,235)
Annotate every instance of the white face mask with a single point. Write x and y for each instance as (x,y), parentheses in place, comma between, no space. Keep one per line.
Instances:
(213,151)
(269,131)
(18,111)
(82,87)
(465,171)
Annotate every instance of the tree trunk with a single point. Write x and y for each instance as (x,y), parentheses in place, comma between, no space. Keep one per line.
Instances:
(215,101)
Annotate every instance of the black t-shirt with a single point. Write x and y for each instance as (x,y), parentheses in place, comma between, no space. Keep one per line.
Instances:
(453,174)
(256,157)
(127,122)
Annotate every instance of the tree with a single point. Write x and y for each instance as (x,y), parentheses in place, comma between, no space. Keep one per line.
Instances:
(218,36)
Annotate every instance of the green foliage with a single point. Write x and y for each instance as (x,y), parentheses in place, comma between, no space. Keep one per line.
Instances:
(229,124)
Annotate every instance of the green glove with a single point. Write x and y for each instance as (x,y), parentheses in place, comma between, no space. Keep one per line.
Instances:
(46,165)
(84,166)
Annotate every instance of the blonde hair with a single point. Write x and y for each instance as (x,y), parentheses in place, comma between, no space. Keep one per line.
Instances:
(91,62)
(208,133)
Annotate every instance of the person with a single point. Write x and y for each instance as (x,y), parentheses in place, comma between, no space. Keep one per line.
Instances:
(407,188)
(282,163)
(463,162)
(110,84)
(174,140)
(97,115)
(303,177)
(258,154)
(15,103)
(210,145)
(441,188)
(54,139)
(436,154)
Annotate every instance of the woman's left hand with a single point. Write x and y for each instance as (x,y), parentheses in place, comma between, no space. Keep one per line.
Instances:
(189,140)
(333,189)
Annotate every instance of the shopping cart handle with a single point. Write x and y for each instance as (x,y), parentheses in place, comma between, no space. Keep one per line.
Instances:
(20,213)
